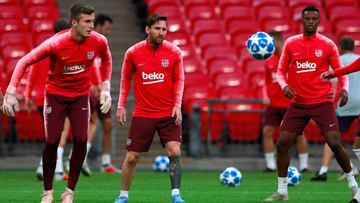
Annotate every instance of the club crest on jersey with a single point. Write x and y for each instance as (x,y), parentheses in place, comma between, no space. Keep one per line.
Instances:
(318,53)
(165,63)
(90,55)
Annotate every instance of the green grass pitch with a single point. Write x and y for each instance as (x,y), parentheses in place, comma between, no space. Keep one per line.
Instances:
(151,187)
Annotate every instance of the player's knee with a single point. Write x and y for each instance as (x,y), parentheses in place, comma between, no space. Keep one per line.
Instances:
(334,146)
(174,151)
(51,144)
(108,125)
(268,132)
(132,158)
(282,146)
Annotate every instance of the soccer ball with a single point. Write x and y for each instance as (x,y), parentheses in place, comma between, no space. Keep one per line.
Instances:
(161,163)
(261,45)
(230,177)
(293,176)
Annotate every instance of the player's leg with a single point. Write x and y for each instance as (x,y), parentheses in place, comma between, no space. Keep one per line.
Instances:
(303,152)
(325,117)
(171,137)
(106,165)
(39,169)
(141,135)
(79,116)
(54,116)
(356,149)
(293,125)
(321,175)
(91,136)
(269,148)
(59,170)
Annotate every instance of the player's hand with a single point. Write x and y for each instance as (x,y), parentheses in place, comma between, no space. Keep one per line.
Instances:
(343,97)
(177,112)
(28,104)
(121,115)
(10,103)
(327,75)
(105,98)
(289,92)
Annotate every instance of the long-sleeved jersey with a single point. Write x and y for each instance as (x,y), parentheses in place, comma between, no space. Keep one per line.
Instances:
(303,60)
(70,61)
(273,89)
(36,78)
(158,79)
(352,67)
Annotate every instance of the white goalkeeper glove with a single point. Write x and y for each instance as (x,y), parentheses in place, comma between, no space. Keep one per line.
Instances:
(105,98)
(10,104)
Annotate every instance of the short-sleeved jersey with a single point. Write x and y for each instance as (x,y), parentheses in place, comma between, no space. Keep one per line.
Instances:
(303,60)
(70,61)
(273,89)
(158,79)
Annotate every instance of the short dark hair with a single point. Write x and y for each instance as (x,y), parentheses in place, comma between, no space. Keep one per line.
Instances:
(276,35)
(151,20)
(347,43)
(310,8)
(80,8)
(101,19)
(61,24)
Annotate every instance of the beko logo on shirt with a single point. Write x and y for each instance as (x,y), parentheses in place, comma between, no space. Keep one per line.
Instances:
(305,67)
(154,77)
(75,69)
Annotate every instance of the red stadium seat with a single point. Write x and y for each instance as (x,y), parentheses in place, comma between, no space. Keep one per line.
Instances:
(218,52)
(239,40)
(11,25)
(188,4)
(222,66)
(235,92)
(244,122)
(9,66)
(179,38)
(176,25)
(11,2)
(167,10)
(237,12)
(253,65)
(211,39)
(39,2)
(14,38)
(345,27)
(200,12)
(342,13)
(206,25)
(242,26)
(40,37)
(29,126)
(154,4)
(42,25)
(193,65)
(234,79)
(187,51)
(15,51)
(196,79)
(42,12)
(330,4)
(195,94)
(258,4)
(273,12)
(224,4)
(11,11)
(280,25)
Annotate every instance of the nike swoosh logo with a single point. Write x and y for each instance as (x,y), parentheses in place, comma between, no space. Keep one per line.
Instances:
(295,54)
(331,125)
(141,64)
(65,57)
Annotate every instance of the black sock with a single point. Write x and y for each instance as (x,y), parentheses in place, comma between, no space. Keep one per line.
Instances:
(175,172)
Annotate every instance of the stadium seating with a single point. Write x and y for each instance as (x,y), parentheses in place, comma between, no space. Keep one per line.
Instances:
(11,11)
(10,2)
(193,65)
(223,4)
(211,39)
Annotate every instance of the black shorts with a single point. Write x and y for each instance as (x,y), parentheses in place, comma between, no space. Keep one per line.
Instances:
(345,123)
(274,116)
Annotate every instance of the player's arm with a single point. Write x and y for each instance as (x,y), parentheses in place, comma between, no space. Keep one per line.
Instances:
(33,71)
(106,68)
(343,81)
(10,102)
(1,98)
(352,67)
(284,63)
(127,72)
(178,88)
